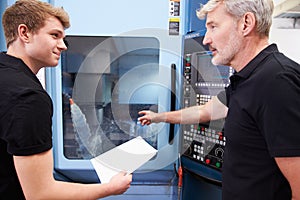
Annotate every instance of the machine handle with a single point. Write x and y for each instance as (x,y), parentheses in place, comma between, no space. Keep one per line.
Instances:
(173,100)
(180,179)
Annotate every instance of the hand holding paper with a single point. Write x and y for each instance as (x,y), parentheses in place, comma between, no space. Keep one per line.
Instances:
(126,157)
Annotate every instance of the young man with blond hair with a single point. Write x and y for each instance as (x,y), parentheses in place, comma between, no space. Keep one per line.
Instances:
(35,32)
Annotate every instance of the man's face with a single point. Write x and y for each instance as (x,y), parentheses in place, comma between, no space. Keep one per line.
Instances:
(46,45)
(222,36)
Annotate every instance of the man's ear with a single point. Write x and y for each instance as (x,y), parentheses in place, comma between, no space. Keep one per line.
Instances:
(248,23)
(23,33)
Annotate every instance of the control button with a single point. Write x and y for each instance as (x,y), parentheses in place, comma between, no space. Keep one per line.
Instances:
(187,69)
(207,161)
(219,152)
(220,135)
(218,165)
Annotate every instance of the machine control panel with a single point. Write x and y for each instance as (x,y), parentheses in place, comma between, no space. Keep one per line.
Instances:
(203,143)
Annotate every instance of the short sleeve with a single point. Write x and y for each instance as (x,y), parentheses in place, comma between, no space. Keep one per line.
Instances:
(222,97)
(282,115)
(30,129)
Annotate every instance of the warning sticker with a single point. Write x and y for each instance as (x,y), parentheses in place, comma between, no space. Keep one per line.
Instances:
(174,26)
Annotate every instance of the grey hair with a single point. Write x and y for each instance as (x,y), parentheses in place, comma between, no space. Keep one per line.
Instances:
(262,10)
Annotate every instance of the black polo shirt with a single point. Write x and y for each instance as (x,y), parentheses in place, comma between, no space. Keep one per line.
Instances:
(263,122)
(25,120)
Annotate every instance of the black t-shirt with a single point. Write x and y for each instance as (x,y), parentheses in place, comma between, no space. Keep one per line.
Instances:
(262,123)
(25,120)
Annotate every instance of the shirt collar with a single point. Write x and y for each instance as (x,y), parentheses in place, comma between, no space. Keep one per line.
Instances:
(16,63)
(10,60)
(253,64)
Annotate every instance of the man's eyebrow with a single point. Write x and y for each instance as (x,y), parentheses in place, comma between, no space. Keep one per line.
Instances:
(209,22)
(57,30)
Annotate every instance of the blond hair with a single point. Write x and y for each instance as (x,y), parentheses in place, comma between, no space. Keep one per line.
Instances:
(262,10)
(33,14)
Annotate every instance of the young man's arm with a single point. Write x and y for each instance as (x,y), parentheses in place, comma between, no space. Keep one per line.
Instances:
(35,173)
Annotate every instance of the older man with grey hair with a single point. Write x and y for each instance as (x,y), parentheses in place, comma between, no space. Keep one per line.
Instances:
(261,104)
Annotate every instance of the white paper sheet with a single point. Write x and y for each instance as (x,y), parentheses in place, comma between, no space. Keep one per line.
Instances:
(127,157)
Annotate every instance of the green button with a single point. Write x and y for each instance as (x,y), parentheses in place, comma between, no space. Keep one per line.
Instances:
(218,165)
